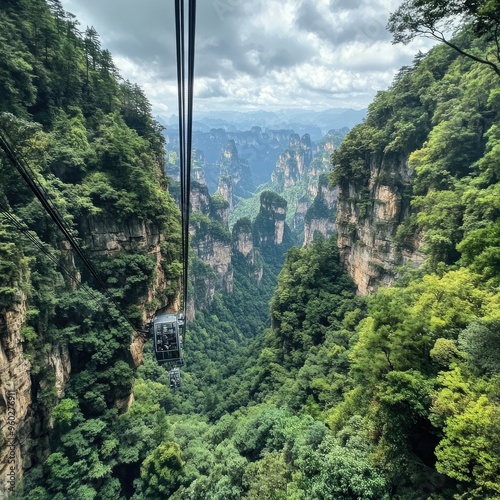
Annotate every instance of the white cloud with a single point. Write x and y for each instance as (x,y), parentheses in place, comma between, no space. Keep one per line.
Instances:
(259,54)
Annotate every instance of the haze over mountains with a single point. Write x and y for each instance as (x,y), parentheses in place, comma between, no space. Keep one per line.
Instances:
(315,123)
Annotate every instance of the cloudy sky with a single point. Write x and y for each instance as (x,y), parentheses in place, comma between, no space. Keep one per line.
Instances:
(255,54)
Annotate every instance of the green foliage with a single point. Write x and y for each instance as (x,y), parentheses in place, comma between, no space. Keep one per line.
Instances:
(433,18)
(13,267)
(469,450)
(206,227)
(406,380)
(161,470)
(95,149)
(481,343)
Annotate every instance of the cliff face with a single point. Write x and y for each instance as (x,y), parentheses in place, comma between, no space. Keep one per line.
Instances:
(200,198)
(24,422)
(225,189)
(211,240)
(297,225)
(243,244)
(238,170)
(216,254)
(320,217)
(297,176)
(106,237)
(293,163)
(270,230)
(16,415)
(367,221)
(272,216)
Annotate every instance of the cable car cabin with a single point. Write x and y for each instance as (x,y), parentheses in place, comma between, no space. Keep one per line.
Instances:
(175,378)
(166,339)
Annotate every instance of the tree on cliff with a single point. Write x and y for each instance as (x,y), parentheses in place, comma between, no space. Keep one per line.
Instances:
(436,18)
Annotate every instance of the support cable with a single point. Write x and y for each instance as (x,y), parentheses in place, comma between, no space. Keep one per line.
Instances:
(17,224)
(30,178)
(185,121)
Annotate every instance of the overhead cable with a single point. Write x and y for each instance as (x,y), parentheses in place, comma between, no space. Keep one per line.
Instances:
(17,224)
(185,119)
(36,187)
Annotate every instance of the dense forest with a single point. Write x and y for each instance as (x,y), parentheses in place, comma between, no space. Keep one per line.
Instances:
(295,387)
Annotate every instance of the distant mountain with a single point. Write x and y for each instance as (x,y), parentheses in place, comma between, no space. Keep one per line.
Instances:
(315,123)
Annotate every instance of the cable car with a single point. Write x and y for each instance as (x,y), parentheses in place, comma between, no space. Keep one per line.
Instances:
(175,378)
(167,339)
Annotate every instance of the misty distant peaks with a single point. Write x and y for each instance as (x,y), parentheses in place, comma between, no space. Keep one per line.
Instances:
(315,123)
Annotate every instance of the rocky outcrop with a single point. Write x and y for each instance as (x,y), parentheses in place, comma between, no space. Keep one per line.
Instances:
(270,231)
(211,243)
(216,254)
(198,166)
(106,237)
(225,189)
(300,167)
(60,361)
(243,245)
(270,223)
(199,198)
(320,217)
(293,163)
(367,219)
(237,169)
(16,415)
(297,225)
(25,425)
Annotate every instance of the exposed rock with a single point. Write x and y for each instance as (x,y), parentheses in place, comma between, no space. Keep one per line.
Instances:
(124,404)
(198,167)
(60,361)
(217,254)
(271,218)
(297,225)
(204,292)
(320,217)
(221,210)
(200,198)
(243,244)
(367,220)
(270,229)
(237,169)
(293,163)
(107,236)
(136,349)
(16,416)
(225,189)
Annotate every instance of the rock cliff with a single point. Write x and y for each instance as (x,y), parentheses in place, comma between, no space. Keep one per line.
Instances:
(320,217)
(199,197)
(237,169)
(225,190)
(270,230)
(16,413)
(106,237)
(211,241)
(243,244)
(216,253)
(292,163)
(23,418)
(368,217)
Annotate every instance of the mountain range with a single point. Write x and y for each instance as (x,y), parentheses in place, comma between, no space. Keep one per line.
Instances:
(315,123)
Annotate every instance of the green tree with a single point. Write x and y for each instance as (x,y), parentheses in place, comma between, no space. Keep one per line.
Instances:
(162,469)
(434,18)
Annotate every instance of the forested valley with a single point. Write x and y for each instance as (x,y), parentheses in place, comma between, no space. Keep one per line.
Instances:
(296,386)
